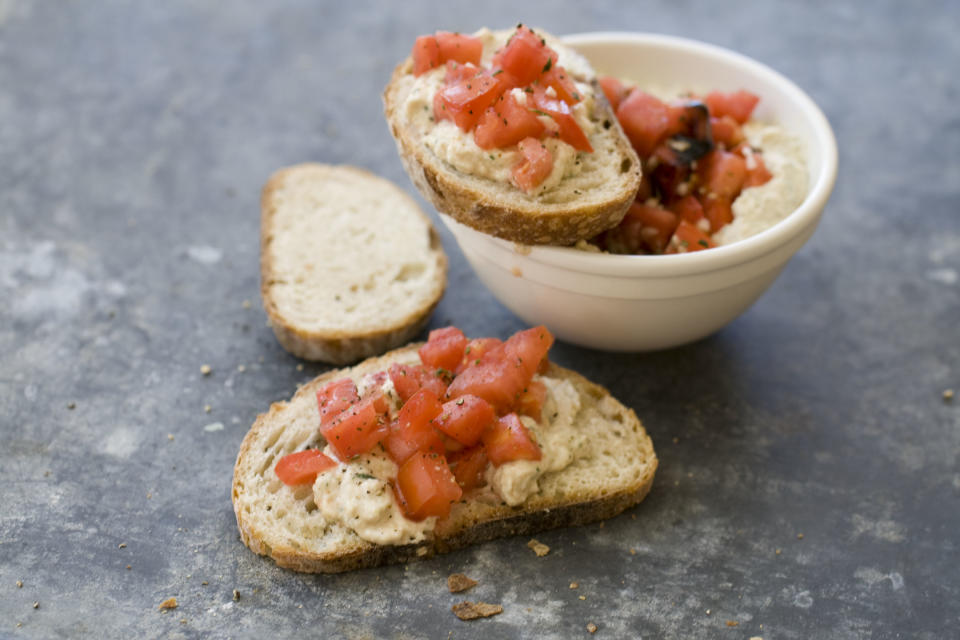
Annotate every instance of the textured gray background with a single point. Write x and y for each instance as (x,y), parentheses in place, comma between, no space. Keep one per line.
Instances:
(134,140)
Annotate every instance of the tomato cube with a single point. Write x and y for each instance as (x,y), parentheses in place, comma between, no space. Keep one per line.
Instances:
(688,208)
(526,56)
(568,129)
(466,100)
(468,467)
(443,349)
(465,419)
(498,382)
(413,429)
(758,174)
(356,430)
(527,349)
(475,351)
(723,174)
(426,54)
(508,440)
(458,47)
(335,398)
(408,379)
(536,165)
(558,78)
(726,131)
(426,487)
(302,467)
(614,90)
(531,402)
(739,105)
(718,211)
(457,72)
(689,237)
(644,119)
(505,124)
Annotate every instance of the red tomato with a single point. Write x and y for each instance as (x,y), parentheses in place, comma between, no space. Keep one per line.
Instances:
(689,237)
(718,211)
(505,124)
(644,119)
(527,349)
(465,419)
(443,349)
(302,467)
(408,379)
(688,208)
(644,229)
(526,56)
(569,131)
(426,487)
(723,173)
(413,429)
(458,72)
(468,466)
(357,430)
(508,440)
(536,165)
(736,104)
(614,90)
(334,398)
(426,54)
(475,350)
(759,174)
(558,78)
(531,402)
(458,47)
(726,131)
(466,100)
(498,382)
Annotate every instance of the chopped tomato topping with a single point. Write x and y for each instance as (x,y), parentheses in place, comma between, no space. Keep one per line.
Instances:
(468,467)
(498,382)
(528,349)
(426,487)
(669,173)
(558,78)
(759,174)
(302,467)
(508,440)
(413,429)
(526,56)
(723,174)
(465,419)
(531,402)
(465,101)
(506,123)
(475,350)
(408,379)
(426,54)
(726,131)
(536,165)
(644,119)
(356,430)
(457,72)
(689,237)
(335,398)
(688,208)
(614,90)
(568,129)
(444,348)
(738,105)
(458,47)
(645,228)
(718,211)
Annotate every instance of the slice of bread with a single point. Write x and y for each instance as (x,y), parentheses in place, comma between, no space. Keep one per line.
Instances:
(349,265)
(593,196)
(612,470)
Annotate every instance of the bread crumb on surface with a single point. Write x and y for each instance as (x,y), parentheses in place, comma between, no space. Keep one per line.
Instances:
(633,551)
(206,369)
(122,545)
(300,367)
(538,548)
(582,597)
(73,405)
(948,394)
(19,584)
(241,368)
(169,603)
(778,551)
(458,582)
(236,595)
(467,610)
(170,436)
(799,536)
(36,605)
(756,638)
(129,567)
(592,628)
(574,585)
(732,623)
(207,408)
(516,271)
(708,611)
(246,304)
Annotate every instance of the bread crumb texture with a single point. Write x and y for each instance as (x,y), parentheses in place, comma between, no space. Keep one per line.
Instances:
(458,582)
(538,548)
(467,610)
(169,603)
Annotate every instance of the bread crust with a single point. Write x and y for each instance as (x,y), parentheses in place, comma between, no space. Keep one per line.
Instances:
(481,203)
(338,346)
(478,522)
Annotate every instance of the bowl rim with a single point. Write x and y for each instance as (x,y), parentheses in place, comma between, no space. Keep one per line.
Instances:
(724,256)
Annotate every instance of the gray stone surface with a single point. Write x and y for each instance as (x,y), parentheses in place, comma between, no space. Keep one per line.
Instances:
(134,138)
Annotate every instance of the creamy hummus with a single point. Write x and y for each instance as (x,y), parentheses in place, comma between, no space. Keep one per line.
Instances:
(458,149)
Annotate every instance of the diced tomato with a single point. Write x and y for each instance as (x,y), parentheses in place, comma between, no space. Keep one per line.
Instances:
(759,174)
(689,237)
(408,379)
(536,165)
(645,228)
(614,90)
(736,104)
(426,54)
(645,192)
(723,173)
(465,419)
(526,56)
(458,47)
(718,211)
(531,402)
(440,109)
(443,349)
(726,131)
(475,350)
(506,123)
(466,100)
(498,382)
(688,208)
(527,349)
(558,78)
(356,430)
(457,72)
(644,119)
(413,429)
(426,486)
(334,398)
(508,440)
(569,131)
(302,467)
(468,467)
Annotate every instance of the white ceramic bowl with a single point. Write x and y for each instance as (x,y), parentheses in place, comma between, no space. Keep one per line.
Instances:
(641,303)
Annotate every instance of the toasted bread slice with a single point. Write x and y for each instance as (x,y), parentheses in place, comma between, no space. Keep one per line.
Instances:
(612,469)
(592,195)
(350,266)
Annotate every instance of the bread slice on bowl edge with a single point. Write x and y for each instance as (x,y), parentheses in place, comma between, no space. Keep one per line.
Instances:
(613,471)
(350,266)
(582,205)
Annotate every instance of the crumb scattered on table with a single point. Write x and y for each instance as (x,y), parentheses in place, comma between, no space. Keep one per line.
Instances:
(246,304)
(538,548)
(169,603)
(458,582)
(122,545)
(947,395)
(467,610)
(236,595)
(799,536)
(778,551)
(574,585)
(583,597)
(129,567)
(19,584)
(206,369)
(36,605)
(592,628)
(207,408)
(732,623)
(241,368)
(73,405)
